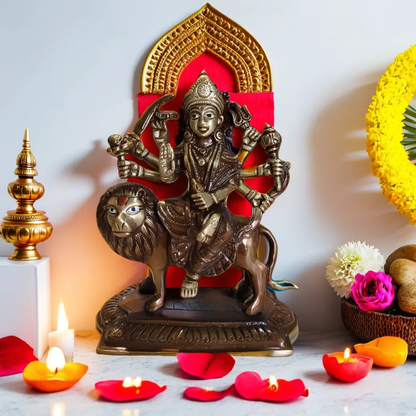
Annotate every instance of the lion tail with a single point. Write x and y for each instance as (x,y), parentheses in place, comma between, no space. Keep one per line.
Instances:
(271,262)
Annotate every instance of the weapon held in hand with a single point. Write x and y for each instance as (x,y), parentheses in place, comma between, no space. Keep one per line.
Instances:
(269,139)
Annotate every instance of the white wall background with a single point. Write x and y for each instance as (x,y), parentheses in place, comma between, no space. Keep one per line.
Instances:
(70,71)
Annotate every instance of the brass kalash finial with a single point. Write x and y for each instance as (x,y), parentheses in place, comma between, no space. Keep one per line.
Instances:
(25,227)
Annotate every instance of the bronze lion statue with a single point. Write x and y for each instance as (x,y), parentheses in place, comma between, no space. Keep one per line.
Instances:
(128,221)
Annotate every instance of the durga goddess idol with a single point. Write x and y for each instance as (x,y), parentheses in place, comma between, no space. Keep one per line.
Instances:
(195,231)
(204,236)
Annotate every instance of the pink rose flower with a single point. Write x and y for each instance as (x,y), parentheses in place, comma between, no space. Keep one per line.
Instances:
(373,292)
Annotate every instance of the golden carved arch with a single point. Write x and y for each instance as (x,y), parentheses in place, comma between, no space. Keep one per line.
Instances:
(206,30)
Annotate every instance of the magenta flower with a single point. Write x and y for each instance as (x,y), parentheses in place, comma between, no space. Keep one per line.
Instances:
(373,292)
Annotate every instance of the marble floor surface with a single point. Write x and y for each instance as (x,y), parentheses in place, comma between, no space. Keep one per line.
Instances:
(383,392)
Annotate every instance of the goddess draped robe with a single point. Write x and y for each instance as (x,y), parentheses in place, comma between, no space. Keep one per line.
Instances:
(208,169)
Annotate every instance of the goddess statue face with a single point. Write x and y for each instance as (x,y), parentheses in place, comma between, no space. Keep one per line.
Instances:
(125,214)
(204,119)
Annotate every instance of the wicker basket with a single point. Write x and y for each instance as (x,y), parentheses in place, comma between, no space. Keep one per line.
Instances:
(371,325)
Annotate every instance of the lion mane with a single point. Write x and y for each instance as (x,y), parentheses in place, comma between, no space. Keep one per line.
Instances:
(140,244)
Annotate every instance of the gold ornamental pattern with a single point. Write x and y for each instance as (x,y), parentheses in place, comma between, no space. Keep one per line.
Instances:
(28,234)
(26,191)
(206,30)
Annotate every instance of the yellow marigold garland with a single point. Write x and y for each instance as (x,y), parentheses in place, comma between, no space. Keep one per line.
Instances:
(389,159)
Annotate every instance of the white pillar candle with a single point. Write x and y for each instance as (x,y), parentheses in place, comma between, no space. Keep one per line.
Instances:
(63,338)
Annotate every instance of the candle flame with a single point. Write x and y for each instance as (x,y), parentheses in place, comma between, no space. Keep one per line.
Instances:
(130,382)
(347,355)
(62,320)
(55,360)
(273,385)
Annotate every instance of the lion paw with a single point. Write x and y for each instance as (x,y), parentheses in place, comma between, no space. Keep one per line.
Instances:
(155,304)
(189,288)
(255,307)
(187,292)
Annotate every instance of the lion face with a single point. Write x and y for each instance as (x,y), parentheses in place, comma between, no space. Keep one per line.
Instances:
(127,219)
(125,215)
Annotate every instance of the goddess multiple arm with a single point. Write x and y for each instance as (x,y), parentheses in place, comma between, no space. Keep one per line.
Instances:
(169,167)
(198,222)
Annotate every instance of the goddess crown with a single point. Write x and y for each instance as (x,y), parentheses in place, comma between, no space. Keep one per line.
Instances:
(203,91)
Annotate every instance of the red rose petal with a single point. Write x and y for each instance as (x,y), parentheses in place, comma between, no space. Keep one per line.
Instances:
(251,386)
(206,365)
(113,390)
(15,355)
(204,395)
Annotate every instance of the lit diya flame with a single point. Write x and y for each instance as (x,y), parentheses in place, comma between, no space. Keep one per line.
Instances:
(347,355)
(273,385)
(54,375)
(347,367)
(132,382)
(55,360)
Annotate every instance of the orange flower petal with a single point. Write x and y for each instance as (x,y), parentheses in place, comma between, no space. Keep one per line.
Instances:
(385,351)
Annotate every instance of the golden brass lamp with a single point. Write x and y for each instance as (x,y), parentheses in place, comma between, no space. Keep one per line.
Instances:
(25,227)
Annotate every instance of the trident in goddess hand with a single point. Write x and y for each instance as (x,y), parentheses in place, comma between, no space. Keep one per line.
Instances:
(270,140)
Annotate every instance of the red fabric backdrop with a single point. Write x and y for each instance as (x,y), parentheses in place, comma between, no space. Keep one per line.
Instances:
(261,106)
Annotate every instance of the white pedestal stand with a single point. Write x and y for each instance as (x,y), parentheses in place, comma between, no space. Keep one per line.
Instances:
(25,302)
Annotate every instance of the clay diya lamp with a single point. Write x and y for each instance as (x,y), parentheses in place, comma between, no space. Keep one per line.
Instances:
(128,389)
(250,386)
(385,351)
(347,367)
(54,375)
(206,394)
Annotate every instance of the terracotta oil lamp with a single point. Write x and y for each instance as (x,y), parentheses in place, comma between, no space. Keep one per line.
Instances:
(54,375)
(347,367)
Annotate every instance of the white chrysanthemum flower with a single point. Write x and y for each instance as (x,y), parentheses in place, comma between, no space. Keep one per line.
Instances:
(349,260)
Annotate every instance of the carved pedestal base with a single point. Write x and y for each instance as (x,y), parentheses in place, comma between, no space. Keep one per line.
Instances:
(214,321)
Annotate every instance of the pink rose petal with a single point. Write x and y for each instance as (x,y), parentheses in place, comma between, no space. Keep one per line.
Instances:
(251,387)
(206,395)
(373,291)
(206,365)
